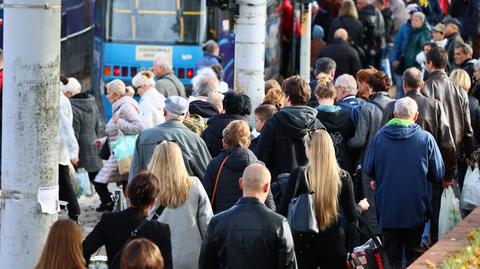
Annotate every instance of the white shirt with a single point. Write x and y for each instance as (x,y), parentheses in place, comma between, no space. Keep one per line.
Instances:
(68,145)
(152,104)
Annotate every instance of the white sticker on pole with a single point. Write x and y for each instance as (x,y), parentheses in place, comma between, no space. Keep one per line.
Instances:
(147,53)
(48,199)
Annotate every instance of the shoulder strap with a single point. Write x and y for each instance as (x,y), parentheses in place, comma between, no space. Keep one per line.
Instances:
(297,182)
(377,105)
(133,234)
(216,180)
(158,212)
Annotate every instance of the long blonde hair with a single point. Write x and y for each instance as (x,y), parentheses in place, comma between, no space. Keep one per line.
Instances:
(323,175)
(63,248)
(168,166)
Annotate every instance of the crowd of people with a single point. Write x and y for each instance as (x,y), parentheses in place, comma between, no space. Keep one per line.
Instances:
(389,119)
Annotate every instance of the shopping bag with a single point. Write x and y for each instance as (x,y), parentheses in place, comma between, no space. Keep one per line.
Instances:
(83,183)
(449,212)
(123,149)
(470,198)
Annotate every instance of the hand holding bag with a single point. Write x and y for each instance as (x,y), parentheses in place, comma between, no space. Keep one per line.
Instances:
(123,149)
(301,211)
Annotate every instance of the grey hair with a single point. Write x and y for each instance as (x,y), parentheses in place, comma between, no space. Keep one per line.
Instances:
(117,86)
(163,59)
(207,85)
(405,107)
(419,15)
(348,82)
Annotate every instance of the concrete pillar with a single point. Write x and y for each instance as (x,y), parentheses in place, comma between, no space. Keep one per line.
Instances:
(305,42)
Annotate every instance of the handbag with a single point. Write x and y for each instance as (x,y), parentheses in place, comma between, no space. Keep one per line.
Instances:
(370,255)
(301,211)
(123,149)
(212,199)
(104,153)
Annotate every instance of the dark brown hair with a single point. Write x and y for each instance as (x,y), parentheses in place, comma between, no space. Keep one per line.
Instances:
(297,89)
(143,189)
(265,111)
(141,253)
(363,74)
(379,82)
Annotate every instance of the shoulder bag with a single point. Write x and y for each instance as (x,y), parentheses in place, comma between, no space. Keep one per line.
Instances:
(301,210)
(212,199)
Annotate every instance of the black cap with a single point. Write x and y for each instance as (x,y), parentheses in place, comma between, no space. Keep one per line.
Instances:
(452,21)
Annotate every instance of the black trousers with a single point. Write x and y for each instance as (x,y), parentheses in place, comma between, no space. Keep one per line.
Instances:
(101,189)
(397,241)
(66,192)
(326,249)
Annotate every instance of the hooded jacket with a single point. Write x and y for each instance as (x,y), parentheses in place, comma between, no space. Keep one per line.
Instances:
(87,127)
(402,158)
(212,135)
(280,145)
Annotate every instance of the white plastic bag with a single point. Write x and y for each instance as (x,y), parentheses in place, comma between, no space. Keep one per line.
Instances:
(449,212)
(83,183)
(470,198)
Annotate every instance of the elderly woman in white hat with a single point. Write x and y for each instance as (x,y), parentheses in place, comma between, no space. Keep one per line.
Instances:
(152,102)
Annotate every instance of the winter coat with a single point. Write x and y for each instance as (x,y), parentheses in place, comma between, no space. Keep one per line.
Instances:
(212,135)
(432,118)
(453,41)
(129,123)
(353,27)
(208,60)
(68,146)
(228,192)
(202,108)
(402,158)
(455,103)
(188,225)
(248,235)
(415,45)
(373,28)
(152,104)
(280,145)
(194,150)
(474,107)
(169,85)
(471,21)
(346,57)
(87,127)
(340,126)
(401,42)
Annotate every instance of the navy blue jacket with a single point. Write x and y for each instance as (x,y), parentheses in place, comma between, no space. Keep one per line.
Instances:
(402,158)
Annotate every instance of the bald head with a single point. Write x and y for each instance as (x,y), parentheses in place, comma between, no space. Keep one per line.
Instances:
(341,34)
(255,181)
(412,79)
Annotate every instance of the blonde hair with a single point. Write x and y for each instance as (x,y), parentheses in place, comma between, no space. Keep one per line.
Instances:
(323,175)
(275,97)
(129,91)
(117,86)
(144,78)
(348,9)
(141,253)
(461,78)
(237,134)
(63,248)
(168,166)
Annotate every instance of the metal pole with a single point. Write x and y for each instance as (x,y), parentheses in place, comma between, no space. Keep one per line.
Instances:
(30,129)
(250,50)
(306,41)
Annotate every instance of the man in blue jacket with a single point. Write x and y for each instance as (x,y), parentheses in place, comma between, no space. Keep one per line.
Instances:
(402,160)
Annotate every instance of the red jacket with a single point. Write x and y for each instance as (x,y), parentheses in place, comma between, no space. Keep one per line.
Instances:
(287,23)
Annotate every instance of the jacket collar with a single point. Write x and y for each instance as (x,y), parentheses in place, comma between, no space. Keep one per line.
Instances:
(437,74)
(249,200)
(379,95)
(172,124)
(413,93)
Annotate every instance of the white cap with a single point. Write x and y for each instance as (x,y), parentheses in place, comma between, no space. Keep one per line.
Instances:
(73,86)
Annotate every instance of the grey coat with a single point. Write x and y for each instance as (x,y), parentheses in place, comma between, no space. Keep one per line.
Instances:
(169,85)
(87,127)
(194,150)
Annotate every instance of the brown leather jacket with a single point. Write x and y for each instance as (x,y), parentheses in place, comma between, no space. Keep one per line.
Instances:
(432,118)
(455,103)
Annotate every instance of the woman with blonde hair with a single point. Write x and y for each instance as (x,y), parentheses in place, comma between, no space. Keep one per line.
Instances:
(275,97)
(152,102)
(187,209)
(348,20)
(63,248)
(125,120)
(332,189)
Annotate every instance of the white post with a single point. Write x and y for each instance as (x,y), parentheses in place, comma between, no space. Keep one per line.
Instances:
(250,50)
(30,128)
(306,41)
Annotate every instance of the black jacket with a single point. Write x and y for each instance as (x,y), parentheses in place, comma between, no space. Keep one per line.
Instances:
(248,235)
(280,145)
(202,108)
(228,191)
(432,118)
(474,106)
(373,28)
(345,200)
(114,229)
(353,27)
(340,126)
(452,41)
(212,135)
(346,57)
